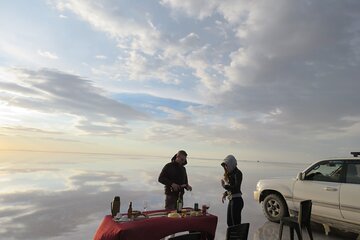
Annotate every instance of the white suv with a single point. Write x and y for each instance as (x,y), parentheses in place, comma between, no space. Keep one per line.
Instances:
(333,185)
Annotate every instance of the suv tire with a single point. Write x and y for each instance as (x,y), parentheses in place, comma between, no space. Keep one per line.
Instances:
(274,207)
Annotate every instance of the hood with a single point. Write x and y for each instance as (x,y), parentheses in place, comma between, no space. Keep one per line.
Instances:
(231,162)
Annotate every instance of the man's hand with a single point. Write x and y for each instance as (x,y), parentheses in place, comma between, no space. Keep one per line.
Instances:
(187,187)
(175,187)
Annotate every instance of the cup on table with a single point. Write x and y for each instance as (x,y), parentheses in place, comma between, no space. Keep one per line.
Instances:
(196,207)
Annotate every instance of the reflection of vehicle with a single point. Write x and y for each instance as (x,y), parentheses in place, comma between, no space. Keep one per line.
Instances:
(333,186)
(270,230)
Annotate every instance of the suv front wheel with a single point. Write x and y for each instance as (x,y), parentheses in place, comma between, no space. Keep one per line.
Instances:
(274,207)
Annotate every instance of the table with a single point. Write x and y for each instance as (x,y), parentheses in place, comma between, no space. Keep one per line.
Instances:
(155,228)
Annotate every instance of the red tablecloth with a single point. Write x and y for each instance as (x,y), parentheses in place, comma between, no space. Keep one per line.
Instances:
(154,228)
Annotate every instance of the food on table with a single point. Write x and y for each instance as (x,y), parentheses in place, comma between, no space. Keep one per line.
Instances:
(195,213)
(174,215)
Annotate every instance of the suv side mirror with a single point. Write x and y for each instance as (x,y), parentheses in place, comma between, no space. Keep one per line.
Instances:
(300,176)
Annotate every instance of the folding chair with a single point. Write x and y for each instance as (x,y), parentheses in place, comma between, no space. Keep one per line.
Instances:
(297,223)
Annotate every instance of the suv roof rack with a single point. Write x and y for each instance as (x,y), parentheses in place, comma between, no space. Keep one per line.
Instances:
(355,154)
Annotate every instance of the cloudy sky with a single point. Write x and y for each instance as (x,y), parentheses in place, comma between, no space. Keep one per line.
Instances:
(258,79)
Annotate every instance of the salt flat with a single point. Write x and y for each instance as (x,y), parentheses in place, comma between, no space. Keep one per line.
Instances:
(65,196)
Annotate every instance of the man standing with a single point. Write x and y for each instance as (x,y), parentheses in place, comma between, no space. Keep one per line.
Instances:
(174,178)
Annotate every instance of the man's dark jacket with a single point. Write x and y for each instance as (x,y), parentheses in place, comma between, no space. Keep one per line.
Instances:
(173,172)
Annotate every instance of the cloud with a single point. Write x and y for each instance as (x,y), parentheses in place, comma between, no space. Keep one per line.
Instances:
(105,128)
(165,132)
(200,9)
(100,57)
(27,129)
(47,54)
(286,44)
(292,71)
(54,92)
(300,61)
(130,29)
(27,170)
(147,52)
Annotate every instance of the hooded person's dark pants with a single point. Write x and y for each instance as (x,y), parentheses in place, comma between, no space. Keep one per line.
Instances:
(235,207)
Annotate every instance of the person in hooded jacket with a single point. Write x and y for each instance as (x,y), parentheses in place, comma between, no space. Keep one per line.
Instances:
(175,180)
(232,184)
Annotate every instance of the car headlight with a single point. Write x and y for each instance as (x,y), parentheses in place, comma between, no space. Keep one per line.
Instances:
(258,186)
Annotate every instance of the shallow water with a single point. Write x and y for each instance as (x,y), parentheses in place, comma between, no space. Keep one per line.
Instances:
(65,196)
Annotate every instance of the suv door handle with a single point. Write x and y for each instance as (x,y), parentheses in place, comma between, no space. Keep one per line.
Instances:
(330,189)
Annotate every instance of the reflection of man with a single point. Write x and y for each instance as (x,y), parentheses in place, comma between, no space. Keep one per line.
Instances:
(174,177)
(269,230)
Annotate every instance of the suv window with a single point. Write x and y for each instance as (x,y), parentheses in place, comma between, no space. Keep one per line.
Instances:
(328,171)
(353,173)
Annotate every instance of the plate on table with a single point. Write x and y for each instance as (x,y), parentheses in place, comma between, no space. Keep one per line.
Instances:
(156,214)
(123,218)
(136,213)
(142,216)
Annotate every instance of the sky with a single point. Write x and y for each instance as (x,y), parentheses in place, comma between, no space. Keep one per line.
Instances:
(261,80)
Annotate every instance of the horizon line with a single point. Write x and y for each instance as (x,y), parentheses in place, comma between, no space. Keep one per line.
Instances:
(127,154)
(95,153)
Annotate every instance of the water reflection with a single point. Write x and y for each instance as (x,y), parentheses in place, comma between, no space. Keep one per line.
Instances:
(270,230)
(64,196)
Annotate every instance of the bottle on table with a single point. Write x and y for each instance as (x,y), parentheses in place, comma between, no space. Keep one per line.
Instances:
(115,206)
(196,206)
(130,210)
(179,203)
